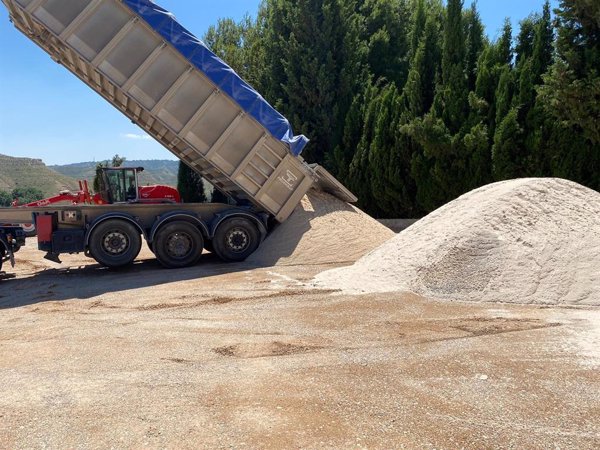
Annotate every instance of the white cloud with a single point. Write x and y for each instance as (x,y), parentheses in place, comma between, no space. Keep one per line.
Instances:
(139,137)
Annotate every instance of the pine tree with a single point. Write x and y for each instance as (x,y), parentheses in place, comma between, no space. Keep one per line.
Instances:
(240,44)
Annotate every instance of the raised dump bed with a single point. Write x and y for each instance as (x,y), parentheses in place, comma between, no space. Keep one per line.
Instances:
(141,60)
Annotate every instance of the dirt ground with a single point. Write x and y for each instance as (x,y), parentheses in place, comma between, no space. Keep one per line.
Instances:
(226,356)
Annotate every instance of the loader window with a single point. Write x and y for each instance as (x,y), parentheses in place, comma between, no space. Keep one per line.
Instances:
(116,186)
(122,186)
(132,190)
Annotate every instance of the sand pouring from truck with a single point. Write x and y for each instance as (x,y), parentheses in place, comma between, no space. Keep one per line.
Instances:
(143,62)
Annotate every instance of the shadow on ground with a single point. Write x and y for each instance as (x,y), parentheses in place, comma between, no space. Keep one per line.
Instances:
(88,281)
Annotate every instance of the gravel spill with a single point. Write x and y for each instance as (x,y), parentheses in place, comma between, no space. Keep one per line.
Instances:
(322,230)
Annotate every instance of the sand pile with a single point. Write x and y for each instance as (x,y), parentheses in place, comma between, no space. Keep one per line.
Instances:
(521,241)
(322,230)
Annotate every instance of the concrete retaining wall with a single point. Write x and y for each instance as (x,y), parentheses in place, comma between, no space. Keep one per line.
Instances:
(397,225)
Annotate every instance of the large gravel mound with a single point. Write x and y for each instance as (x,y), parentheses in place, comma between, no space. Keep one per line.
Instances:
(520,241)
(322,230)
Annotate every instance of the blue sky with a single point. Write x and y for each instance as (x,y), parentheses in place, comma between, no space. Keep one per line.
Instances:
(47,113)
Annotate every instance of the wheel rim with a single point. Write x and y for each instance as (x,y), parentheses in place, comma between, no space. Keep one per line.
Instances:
(237,240)
(179,245)
(115,243)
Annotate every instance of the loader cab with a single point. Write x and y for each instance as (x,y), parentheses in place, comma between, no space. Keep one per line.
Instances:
(119,184)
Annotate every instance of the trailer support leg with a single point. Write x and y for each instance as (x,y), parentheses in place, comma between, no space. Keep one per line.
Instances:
(54,257)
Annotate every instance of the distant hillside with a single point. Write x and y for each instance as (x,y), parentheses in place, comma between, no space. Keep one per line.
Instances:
(155,171)
(27,172)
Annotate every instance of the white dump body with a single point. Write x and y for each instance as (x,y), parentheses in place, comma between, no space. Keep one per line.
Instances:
(120,56)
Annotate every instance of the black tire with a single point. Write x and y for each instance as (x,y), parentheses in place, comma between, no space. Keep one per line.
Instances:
(178,244)
(208,245)
(236,239)
(115,243)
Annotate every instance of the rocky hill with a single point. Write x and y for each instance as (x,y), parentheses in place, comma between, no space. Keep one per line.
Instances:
(28,172)
(155,171)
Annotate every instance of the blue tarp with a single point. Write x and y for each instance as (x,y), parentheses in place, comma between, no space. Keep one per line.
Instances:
(218,72)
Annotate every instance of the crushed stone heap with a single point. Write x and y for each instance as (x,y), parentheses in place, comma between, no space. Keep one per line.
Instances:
(322,230)
(520,241)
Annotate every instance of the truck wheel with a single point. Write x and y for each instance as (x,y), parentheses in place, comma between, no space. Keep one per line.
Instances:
(115,243)
(236,239)
(178,244)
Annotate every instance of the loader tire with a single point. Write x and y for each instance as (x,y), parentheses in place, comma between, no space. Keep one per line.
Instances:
(115,243)
(236,239)
(178,244)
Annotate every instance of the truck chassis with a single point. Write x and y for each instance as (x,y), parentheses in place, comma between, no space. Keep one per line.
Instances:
(112,234)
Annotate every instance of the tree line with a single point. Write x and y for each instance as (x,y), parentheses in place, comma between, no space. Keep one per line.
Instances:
(23,195)
(410,104)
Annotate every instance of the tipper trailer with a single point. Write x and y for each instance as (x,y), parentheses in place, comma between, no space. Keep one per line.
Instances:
(142,61)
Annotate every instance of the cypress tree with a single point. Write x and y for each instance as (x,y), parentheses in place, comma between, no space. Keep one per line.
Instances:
(418,21)
(309,68)
(419,90)
(440,132)
(218,197)
(390,158)
(386,28)
(190,185)
(571,94)
(277,23)
(360,177)
(451,104)
(508,147)
(504,93)
(353,129)
(543,45)
(475,43)
(492,62)
(525,38)
(504,52)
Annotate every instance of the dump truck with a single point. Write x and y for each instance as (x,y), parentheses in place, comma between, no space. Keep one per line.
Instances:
(140,59)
